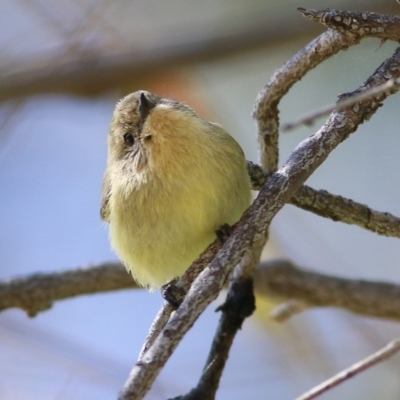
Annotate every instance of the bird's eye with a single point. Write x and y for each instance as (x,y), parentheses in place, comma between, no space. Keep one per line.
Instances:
(129,139)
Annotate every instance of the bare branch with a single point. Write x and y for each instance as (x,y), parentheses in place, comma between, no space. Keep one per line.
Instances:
(282,279)
(339,208)
(388,351)
(358,23)
(38,292)
(335,207)
(265,110)
(266,114)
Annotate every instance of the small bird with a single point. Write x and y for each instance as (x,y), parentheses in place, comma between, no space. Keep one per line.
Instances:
(172,180)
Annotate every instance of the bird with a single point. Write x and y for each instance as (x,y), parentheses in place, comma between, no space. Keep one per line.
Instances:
(172,180)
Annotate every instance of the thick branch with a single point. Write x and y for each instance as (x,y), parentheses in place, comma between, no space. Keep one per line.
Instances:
(38,292)
(339,208)
(282,278)
(335,207)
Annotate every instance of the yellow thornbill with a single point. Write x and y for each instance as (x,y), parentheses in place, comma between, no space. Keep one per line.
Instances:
(172,179)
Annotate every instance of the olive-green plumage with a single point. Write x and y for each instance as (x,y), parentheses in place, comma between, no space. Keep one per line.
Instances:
(172,179)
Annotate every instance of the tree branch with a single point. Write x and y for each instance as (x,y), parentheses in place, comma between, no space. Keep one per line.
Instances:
(338,208)
(265,110)
(283,279)
(267,103)
(223,339)
(37,292)
(334,207)
(357,23)
(280,278)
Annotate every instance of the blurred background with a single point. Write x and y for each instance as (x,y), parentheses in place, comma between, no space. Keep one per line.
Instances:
(63,66)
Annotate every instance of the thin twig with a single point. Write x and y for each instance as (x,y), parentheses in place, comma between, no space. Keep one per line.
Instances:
(382,355)
(310,118)
(211,375)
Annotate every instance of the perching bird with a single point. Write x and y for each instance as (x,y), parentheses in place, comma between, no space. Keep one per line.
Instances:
(172,180)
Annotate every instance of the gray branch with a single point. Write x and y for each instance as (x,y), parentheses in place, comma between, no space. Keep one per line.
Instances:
(357,23)
(334,207)
(276,278)
(282,279)
(37,292)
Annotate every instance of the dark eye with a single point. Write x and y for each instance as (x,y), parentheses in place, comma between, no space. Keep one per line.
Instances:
(129,139)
